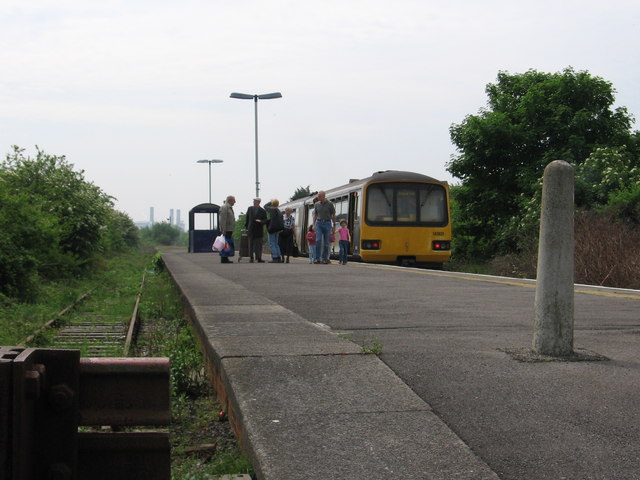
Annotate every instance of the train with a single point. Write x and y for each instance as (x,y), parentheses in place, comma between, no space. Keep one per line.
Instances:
(394,217)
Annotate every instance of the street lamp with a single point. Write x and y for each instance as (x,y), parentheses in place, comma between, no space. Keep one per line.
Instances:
(210,162)
(265,96)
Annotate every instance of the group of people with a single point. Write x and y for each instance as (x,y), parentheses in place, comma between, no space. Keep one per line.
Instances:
(281,229)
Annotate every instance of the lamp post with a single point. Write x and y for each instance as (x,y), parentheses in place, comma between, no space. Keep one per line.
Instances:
(215,160)
(265,96)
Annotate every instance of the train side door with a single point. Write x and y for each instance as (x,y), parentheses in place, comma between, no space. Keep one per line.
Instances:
(308,209)
(353,222)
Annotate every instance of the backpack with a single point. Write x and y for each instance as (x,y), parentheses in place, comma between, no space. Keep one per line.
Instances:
(276,222)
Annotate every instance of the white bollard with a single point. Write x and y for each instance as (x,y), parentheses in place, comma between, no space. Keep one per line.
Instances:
(553,316)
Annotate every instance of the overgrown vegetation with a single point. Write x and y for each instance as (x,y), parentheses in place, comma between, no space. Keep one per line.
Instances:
(53,224)
(532,119)
(169,334)
(202,445)
(195,420)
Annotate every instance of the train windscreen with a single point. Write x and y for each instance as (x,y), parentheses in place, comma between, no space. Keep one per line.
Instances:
(422,204)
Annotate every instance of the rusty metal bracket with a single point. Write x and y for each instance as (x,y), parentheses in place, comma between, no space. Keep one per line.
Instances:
(45,404)
(47,394)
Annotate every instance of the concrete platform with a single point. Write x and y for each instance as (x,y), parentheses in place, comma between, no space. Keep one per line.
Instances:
(446,398)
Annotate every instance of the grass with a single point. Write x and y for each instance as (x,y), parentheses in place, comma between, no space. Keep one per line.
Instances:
(114,286)
(196,423)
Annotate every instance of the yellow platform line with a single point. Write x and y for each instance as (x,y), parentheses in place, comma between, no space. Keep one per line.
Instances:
(595,290)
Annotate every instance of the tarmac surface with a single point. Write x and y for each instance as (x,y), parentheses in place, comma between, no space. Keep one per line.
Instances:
(453,392)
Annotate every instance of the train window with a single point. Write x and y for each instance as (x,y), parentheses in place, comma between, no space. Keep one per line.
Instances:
(406,203)
(341,205)
(433,204)
(310,213)
(380,203)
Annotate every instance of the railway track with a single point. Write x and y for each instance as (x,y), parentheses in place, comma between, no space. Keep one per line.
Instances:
(94,334)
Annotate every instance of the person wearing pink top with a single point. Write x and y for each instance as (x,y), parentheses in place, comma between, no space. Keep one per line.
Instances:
(345,239)
(311,242)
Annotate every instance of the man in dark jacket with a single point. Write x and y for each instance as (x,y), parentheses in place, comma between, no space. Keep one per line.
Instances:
(255,220)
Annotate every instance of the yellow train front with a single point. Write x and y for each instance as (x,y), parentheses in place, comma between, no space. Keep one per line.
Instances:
(393,216)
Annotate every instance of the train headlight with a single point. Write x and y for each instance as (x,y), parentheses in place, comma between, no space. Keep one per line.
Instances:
(441,245)
(371,244)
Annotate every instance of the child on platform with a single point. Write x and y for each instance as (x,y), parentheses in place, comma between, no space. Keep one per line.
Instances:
(311,242)
(345,239)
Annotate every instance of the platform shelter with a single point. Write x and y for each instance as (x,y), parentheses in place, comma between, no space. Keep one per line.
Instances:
(201,240)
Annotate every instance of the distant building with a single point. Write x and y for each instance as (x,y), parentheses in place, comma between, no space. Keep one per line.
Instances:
(142,224)
(175,221)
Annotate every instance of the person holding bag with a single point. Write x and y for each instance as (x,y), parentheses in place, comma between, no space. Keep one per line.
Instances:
(274,228)
(227,222)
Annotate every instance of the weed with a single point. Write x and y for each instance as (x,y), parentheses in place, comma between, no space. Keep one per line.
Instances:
(371,346)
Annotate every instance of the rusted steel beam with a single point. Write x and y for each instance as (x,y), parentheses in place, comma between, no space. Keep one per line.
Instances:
(124,391)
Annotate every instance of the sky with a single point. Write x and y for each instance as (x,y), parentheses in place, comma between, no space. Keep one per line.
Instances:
(133,93)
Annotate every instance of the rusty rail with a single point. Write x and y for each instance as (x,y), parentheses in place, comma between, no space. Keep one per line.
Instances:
(134,320)
(52,322)
(110,335)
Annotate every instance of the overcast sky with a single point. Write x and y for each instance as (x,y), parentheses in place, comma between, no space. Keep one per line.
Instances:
(135,92)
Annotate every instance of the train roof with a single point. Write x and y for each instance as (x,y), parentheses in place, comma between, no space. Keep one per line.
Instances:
(380,176)
(387,176)
(399,176)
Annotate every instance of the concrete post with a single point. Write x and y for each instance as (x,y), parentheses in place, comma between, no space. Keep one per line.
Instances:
(553,316)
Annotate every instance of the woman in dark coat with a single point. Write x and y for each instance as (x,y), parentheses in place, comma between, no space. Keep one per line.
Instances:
(287,235)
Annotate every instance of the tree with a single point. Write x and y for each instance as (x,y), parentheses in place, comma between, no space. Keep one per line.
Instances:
(121,233)
(77,208)
(531,119)
(162,234)
(300,192)
(606,171)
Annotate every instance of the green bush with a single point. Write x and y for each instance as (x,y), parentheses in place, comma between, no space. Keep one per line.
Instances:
(624,205)
(53,223)
(161,234)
